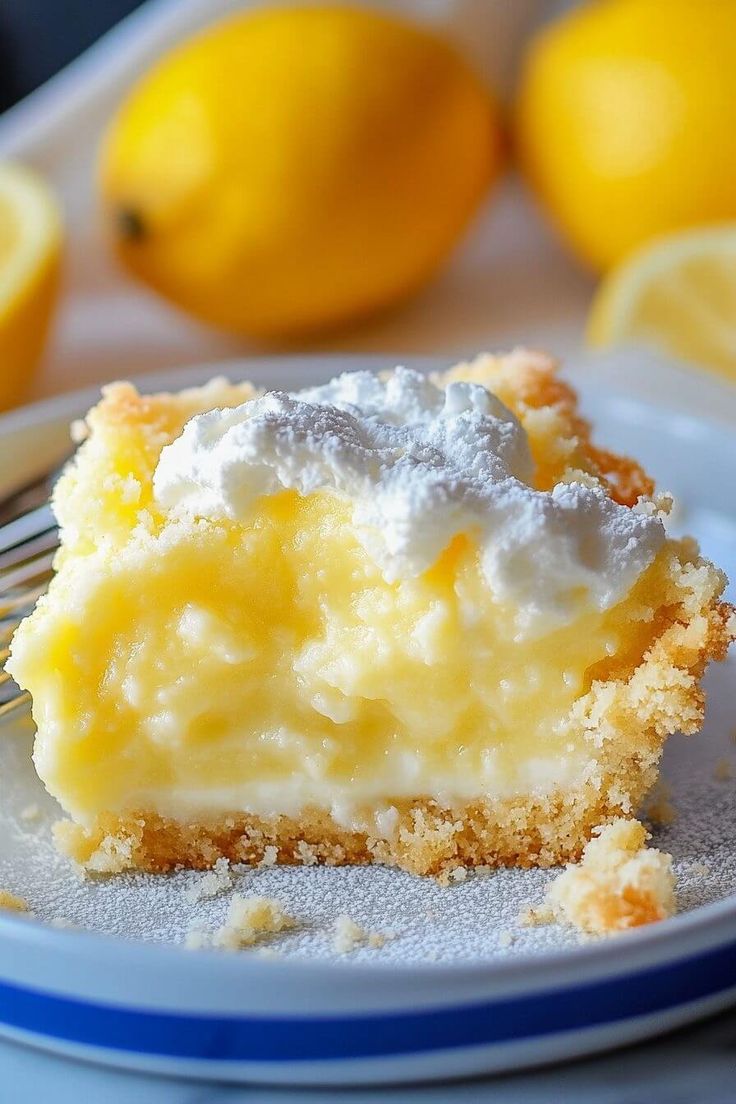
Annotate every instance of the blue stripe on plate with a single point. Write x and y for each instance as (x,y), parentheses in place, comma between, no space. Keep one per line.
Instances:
(371,1035)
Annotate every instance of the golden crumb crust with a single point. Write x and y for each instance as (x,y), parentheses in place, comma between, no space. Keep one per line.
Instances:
(429,839)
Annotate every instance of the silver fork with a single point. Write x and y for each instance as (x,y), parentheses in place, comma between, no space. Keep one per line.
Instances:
(28,541)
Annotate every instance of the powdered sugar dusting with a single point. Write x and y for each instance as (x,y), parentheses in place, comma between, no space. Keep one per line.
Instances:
(419,465)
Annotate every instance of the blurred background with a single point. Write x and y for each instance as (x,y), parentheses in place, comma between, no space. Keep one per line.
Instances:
(40,37)
(210,178)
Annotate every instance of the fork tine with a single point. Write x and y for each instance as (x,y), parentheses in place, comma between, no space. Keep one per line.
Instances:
(23,552)
(37,568)
(20,701)
(28,542)
(13,606)
(26,527)
(7,628)
(28,496)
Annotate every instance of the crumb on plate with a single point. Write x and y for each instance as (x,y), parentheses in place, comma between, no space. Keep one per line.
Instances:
(536,915)
(619,883)
(348,936)
(12,903)
(248,920)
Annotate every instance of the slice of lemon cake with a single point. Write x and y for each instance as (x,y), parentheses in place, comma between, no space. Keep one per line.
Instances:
(393,619)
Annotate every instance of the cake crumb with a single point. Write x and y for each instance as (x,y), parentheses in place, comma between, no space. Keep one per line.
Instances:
(723,771)
(699,869)
(12,903)
(248,920)
(619,883)
(451,875)
(537,915)
(306,854)
(348,936)
(659,809)
(210,884)
(61,922)
(270,856)
(30,812)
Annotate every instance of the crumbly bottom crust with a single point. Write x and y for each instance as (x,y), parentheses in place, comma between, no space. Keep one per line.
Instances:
(428,839)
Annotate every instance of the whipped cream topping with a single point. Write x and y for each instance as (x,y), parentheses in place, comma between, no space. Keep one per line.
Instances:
(419,464)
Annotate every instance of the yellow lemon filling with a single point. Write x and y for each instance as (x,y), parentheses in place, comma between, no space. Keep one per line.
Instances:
(209,667)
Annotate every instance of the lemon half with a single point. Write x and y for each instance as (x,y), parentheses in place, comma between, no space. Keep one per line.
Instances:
(30,252)
(678,294)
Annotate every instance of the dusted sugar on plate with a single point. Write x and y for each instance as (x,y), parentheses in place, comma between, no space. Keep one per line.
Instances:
(398,619)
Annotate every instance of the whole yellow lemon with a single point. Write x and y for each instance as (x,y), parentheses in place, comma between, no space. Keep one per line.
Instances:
(627,120)
(294,168)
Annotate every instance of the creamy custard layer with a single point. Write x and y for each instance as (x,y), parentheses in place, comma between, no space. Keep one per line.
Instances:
(209,668)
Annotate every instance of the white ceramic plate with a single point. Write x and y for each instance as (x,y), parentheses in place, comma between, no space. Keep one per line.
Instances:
(461,987)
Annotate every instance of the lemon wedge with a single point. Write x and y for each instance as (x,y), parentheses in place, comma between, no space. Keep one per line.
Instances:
(678,294)
(30,253)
